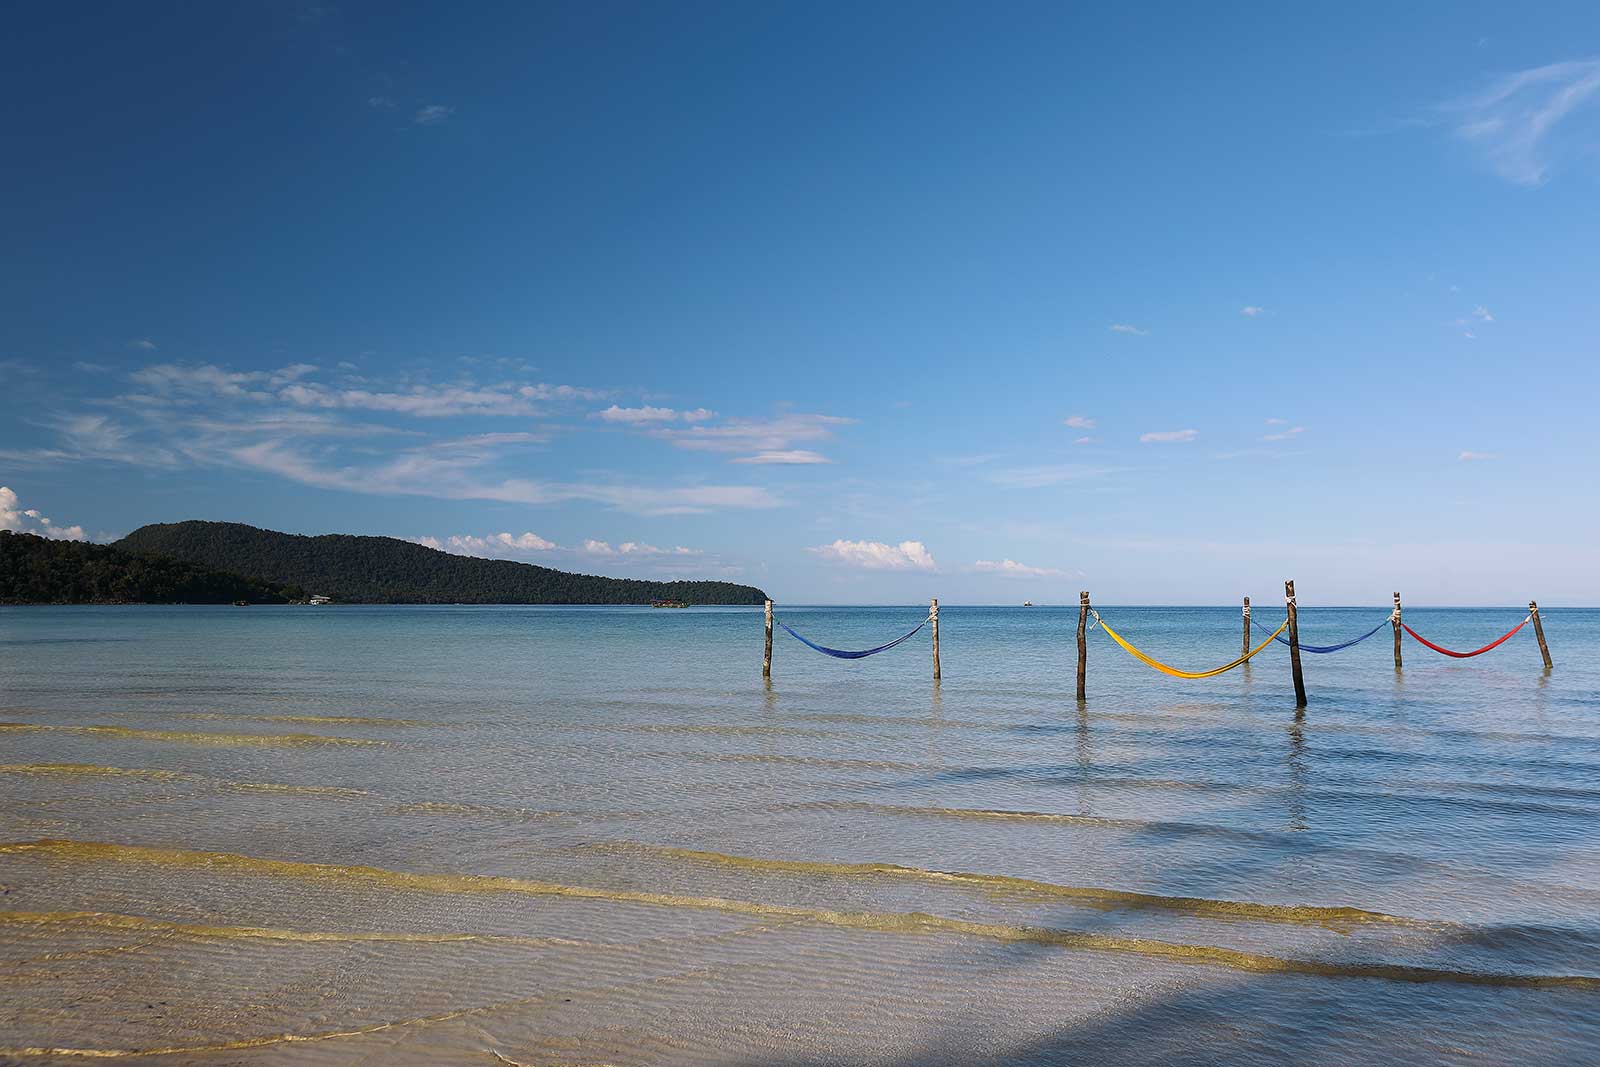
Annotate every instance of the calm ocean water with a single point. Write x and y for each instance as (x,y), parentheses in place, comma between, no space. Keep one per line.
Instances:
(593,836)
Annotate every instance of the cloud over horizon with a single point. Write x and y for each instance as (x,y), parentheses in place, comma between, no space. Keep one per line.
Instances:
(635,558)
(18,519)
(876,555)
(1010,568)
(500,544)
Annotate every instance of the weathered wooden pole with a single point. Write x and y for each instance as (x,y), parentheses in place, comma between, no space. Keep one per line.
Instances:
(766,658)
(1395,620)
(1083,643)
(933,613)
(1538,631)
(1294,646)
(1245,648)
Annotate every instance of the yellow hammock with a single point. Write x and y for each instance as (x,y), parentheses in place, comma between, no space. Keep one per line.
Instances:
(1164,669)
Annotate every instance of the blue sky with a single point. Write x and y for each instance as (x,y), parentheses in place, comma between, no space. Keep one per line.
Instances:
(859,304)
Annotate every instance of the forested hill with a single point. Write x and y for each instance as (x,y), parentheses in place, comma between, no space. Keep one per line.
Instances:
(386,570)
(34,570)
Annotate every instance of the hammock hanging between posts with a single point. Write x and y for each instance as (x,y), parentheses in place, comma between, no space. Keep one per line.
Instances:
(1474,652)
(1173,671)
(842,654)
(1342,645)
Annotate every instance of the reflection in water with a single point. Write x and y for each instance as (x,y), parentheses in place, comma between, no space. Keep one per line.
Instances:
(1299,772)
(1085,758)
(932,752)
(1397,689)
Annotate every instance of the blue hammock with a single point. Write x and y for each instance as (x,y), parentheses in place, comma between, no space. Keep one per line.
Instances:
(1334,648)
(840,654)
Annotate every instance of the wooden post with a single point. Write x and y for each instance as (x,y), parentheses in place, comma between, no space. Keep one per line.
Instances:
(1083,643)
(1538,631)
(1245,648)
(1294,645)
(766,658)
(1396,621)
(933,612)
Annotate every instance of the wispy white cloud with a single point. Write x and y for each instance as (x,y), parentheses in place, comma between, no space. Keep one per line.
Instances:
(1010,568)
(1078,422)
(1085,440)
(789,456)
(101,439)
(432,115)
(976,459)
(18,519)
(423,401)
(286,423)
(1251,311)
(173,383)
(639,548)
(1520,121)
(93,438)
(1168,436)
(637,557)
(491,440)
(143,344)
(1482,314)
(1285,435)
(382,103)
(876,555)
(546,391)
(1473,457)
(451,472)
(754,435)
(1123,327)
(1044,475)
(177,380)
(649,414)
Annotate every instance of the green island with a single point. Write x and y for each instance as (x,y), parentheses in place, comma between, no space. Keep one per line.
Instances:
(225,562)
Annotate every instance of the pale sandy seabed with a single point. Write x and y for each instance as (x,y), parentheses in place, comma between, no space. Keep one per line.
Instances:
(402,837)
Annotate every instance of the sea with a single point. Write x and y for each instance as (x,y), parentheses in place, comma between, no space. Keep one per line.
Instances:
(596,835)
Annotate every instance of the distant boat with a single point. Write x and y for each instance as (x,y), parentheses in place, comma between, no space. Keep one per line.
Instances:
(319,600)
(668,604)
(1027,603)
(241,603)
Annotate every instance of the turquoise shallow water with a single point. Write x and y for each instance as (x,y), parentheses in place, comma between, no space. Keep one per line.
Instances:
(275,834)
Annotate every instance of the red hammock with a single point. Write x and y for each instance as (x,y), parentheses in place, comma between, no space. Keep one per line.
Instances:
(1466,655)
